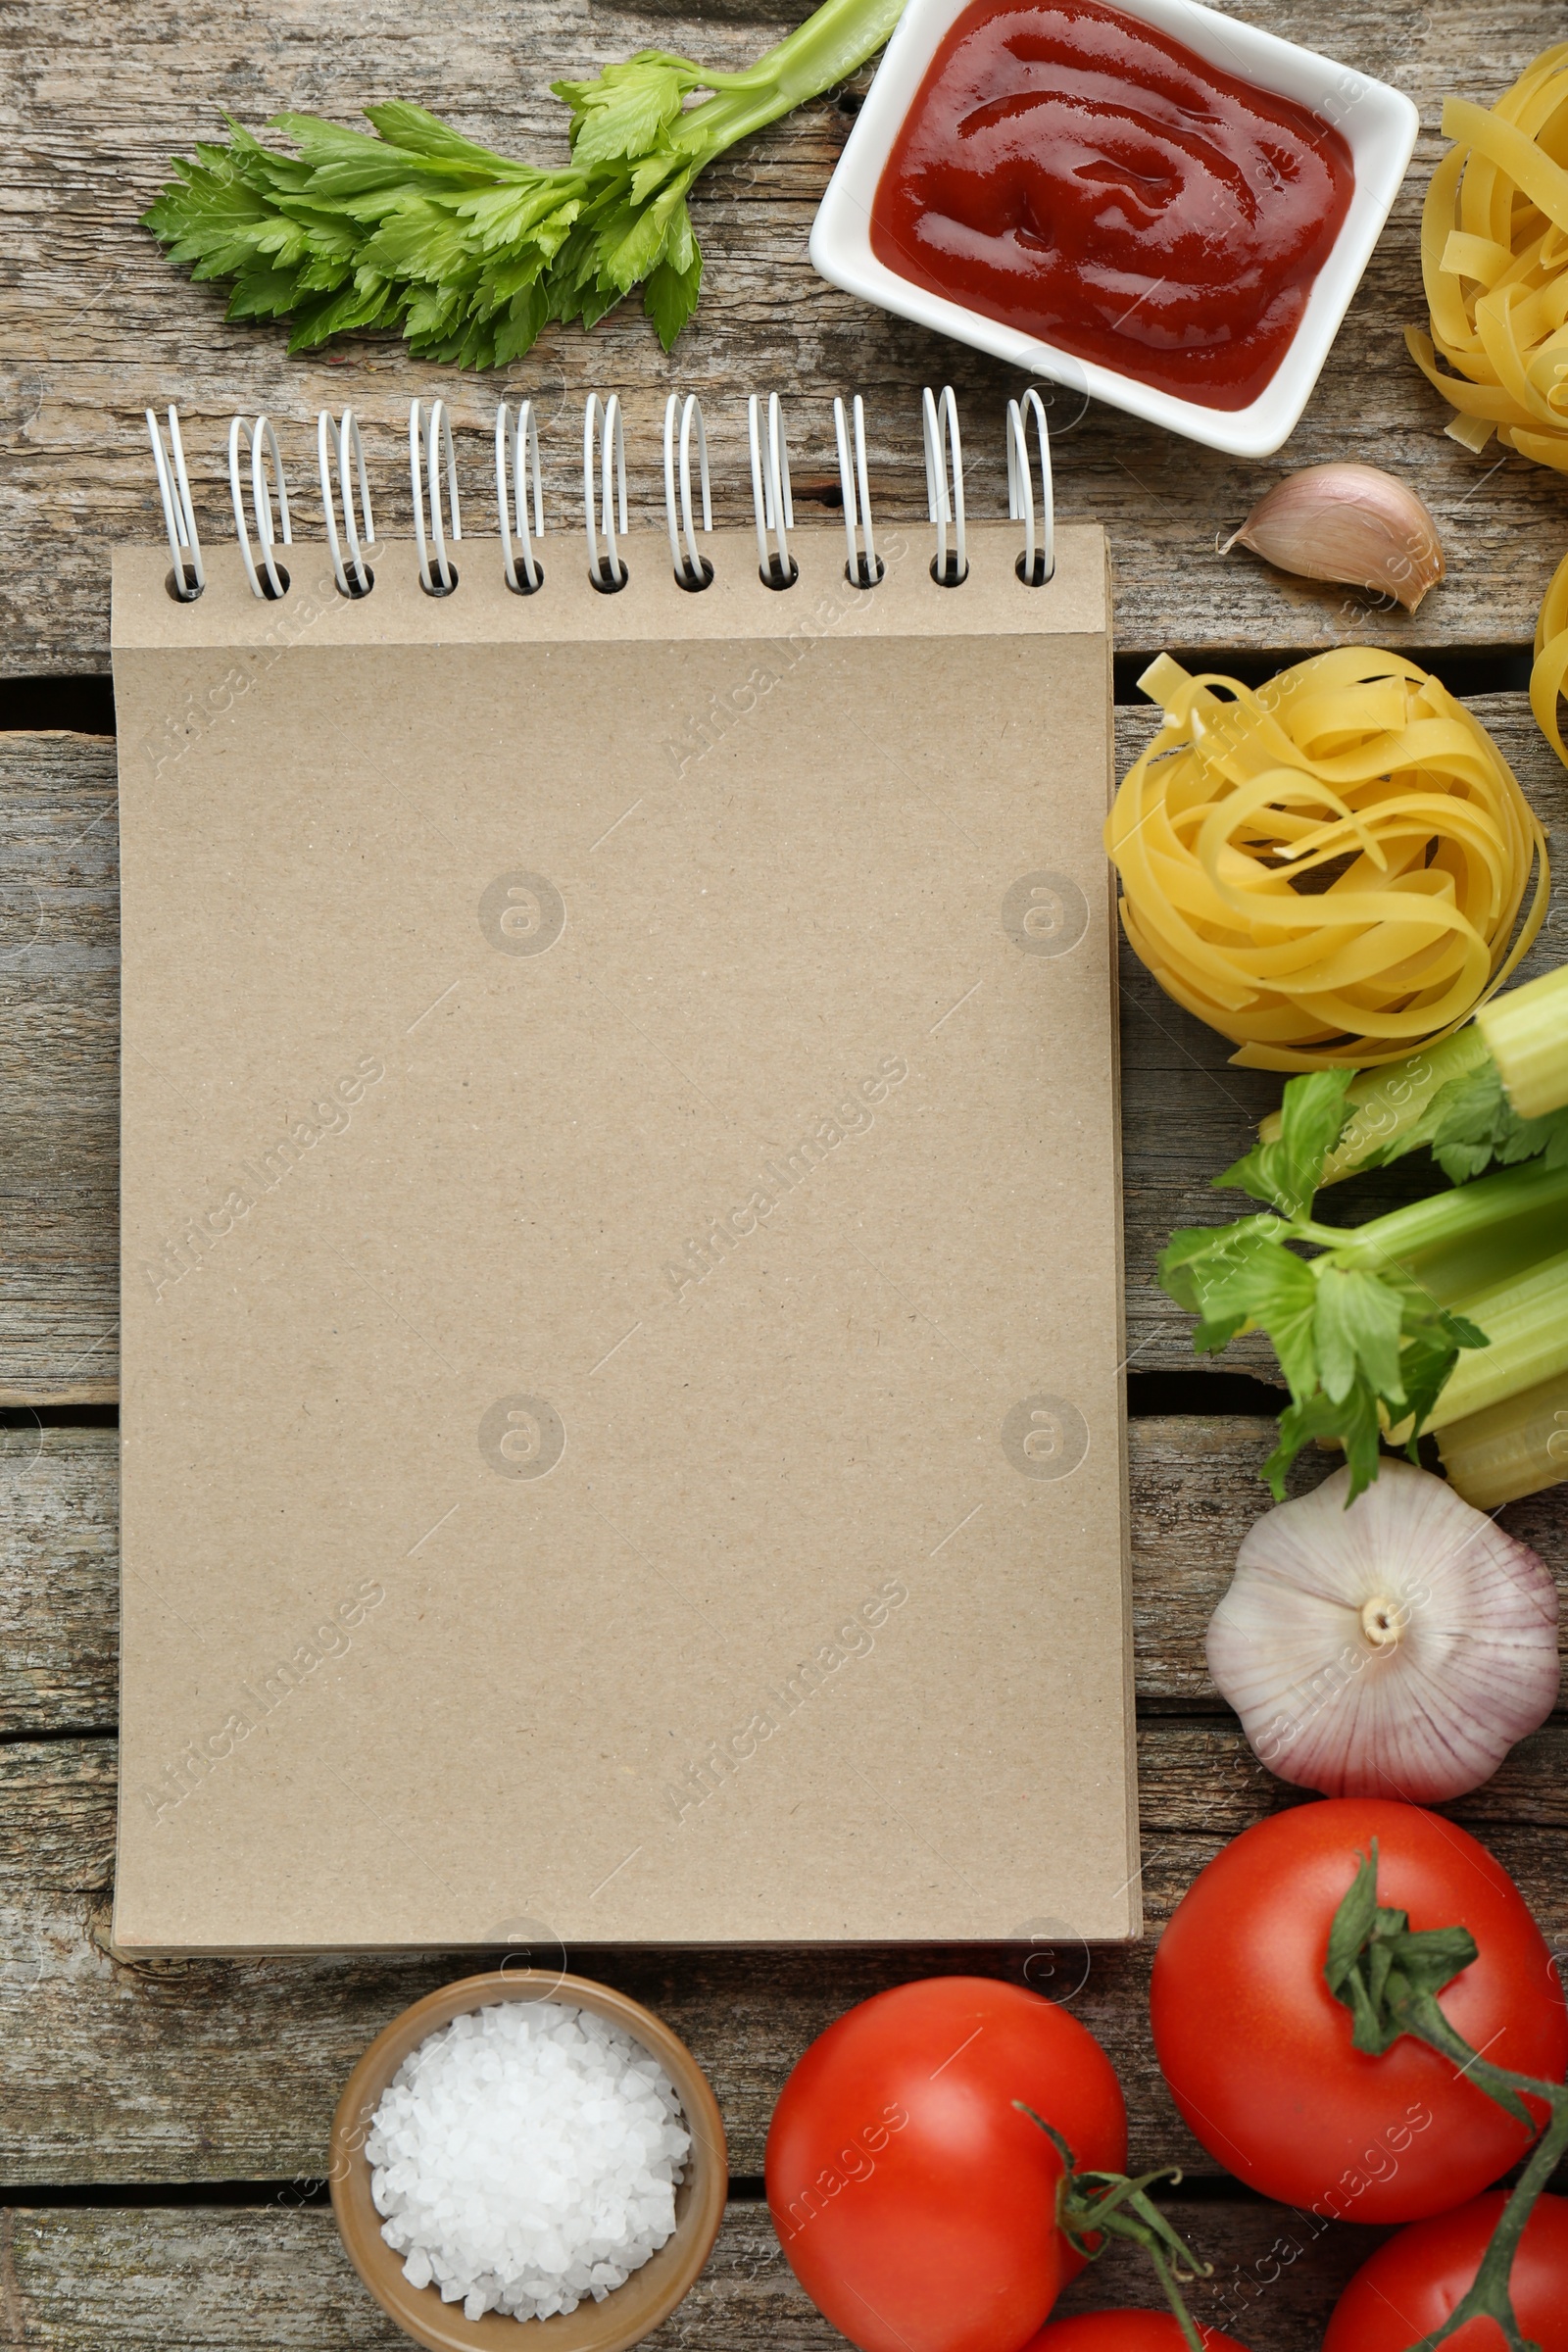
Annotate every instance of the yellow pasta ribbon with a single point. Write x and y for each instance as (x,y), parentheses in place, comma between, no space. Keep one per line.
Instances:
(1494,262)
(1330,869)
(1548,675)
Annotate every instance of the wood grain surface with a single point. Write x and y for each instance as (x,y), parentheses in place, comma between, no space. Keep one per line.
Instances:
(262,2046)
(270,2277)
(97,325)
(135,2070)
(1194,1479)
(1185,1112)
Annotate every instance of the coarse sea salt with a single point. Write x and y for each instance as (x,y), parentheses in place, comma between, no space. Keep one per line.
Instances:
(525,2156)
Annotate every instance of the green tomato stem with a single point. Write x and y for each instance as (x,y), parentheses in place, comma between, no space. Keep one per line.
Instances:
(1489,2296)
(1093,2208)
(1394,1995)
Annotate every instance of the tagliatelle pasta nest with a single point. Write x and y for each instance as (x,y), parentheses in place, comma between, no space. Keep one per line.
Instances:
(1495,260)
(1549,674)
(1329,870)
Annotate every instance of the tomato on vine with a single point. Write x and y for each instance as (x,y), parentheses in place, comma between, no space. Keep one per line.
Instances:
(1258,2051)
(918,2167)
(1417,2281)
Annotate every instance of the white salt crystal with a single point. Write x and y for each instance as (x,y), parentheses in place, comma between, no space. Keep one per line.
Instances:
(525,2156)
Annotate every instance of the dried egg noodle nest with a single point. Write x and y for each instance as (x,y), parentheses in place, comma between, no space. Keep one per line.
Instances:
(1495,261)
(1549,674)
(1354,759)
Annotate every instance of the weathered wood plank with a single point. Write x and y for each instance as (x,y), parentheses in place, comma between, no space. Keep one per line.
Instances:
(275,2279)
(1185,1112)
(93,2091)
(1194,1483)
(59,1069)
(59,1579)
(96,324)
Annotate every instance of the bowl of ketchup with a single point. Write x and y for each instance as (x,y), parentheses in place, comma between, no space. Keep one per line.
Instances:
(1156,205)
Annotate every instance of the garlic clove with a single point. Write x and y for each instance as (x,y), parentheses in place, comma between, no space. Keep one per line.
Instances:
(1395,1648)
(1351,524)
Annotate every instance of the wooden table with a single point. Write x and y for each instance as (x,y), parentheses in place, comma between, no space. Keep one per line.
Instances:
(163,2126)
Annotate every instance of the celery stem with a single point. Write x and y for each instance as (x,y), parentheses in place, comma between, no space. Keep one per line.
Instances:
(1527,1034)
(1525,1323)
(826,49)
(1387,1106)
(1405,1235)
(1510,1449)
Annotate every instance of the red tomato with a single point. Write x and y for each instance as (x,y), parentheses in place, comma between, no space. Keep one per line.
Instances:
(1414,2282)
(915,2204)
(1132,2332)
(1257,2051)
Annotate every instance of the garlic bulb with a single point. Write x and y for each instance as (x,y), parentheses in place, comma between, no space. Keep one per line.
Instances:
(1347,522)
(1397,1648)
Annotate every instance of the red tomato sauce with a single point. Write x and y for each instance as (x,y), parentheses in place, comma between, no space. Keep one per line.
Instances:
(1071,171)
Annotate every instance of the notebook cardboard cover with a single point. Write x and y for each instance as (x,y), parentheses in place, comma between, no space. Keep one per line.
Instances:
(622,1410)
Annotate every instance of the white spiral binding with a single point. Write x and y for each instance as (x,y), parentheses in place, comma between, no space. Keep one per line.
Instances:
(940,420)
(1036,566)
(516,464)
(429,443)
(770,493)
(863,567)
(343,441)
(602,418)
(262,441)
(179,521)
(692,569)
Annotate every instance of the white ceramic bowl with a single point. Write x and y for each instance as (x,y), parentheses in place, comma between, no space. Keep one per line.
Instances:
(1378,124)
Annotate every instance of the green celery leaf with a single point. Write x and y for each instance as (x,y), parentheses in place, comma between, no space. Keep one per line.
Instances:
(680,245)
(1473,1123)
(1289,1170)
(417,132)
(1227,1270)
(528,314)
(470,254)
(1354,1424)
(633,245)
(263,294)
(671,297)
(624,114)
(502,217)
(1358,1325)
(1236,1276)
(1432,1341)
(596,301)
(322,274)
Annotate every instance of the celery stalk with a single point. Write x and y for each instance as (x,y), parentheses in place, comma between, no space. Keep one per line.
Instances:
(1448,1234)
(470,255)
(1525,1323)
(1514,1056)
(1387,1105)
(1428,1315)
(1526,1033)
(1512,1449)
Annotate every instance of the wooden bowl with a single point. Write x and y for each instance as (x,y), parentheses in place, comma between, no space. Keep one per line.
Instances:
(629,2312)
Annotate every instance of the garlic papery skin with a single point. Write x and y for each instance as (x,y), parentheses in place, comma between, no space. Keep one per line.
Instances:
(1395,1648)
(1351,524)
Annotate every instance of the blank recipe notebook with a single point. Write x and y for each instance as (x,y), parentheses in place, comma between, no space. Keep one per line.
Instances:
(622,1425)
